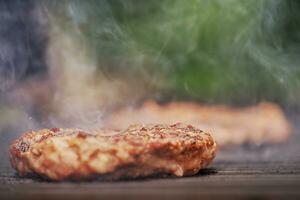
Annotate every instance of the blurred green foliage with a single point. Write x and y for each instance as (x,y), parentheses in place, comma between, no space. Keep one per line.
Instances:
(232,51)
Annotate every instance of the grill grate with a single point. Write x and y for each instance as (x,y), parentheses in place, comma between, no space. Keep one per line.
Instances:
(248,171)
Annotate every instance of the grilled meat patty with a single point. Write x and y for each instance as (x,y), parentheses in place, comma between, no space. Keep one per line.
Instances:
(262,123)
(138,151)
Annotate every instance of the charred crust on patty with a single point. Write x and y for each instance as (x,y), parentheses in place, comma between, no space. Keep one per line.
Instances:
(60,154)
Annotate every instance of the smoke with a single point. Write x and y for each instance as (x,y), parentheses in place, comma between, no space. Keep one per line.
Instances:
(238,52)
(23,40)
(82,93)
(78,60)
(276,48)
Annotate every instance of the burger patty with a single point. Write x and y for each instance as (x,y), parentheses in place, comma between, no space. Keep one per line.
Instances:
(262,123)
(138,151)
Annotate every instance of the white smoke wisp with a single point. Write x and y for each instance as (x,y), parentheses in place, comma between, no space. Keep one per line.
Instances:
(82,94)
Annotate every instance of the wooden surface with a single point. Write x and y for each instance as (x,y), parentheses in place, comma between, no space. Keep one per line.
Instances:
(248,172)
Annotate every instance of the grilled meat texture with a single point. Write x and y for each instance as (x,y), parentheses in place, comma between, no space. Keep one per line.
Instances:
(139,151)
(262,123)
